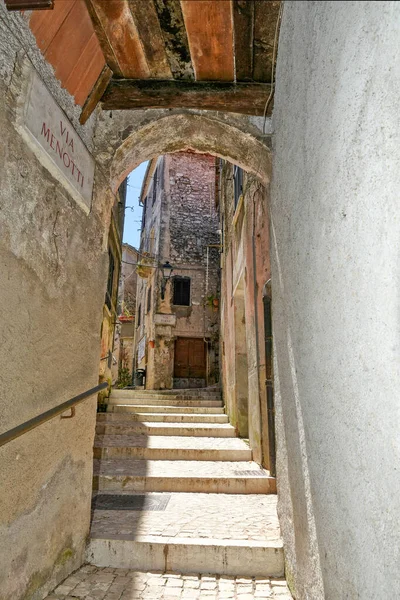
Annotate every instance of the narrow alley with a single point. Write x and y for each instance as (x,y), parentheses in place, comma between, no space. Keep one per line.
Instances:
(179,508)
(199,300)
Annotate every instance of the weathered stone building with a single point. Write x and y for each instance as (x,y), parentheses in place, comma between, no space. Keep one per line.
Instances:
(123,352)
(245,270)
(108,360)
(177,331)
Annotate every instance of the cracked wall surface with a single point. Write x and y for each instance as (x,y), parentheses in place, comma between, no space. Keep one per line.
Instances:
(53,267)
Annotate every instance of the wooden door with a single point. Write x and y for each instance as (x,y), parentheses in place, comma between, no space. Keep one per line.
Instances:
(190,358)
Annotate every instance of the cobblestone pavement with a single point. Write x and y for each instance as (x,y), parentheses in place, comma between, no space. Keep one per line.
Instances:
(91,583)
(176,468)
(218,516)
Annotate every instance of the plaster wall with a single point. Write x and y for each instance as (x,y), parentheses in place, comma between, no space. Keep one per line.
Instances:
(245,269)
(335,290)
(53,270)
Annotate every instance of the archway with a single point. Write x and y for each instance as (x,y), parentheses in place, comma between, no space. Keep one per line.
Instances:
(218,135)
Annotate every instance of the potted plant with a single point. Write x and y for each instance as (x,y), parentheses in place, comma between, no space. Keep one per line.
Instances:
(212,301)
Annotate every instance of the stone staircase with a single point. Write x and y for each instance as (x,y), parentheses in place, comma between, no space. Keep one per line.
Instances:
(175,490)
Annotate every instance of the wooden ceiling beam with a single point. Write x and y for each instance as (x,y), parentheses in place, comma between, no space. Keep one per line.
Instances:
(172,24)
(147,24)
(119,37)
(210,31)
(105,44)
(265,19)
(95,95)
(244,98)
(243,28)
(29,4)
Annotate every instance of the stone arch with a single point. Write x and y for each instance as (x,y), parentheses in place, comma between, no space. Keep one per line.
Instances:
(196,132)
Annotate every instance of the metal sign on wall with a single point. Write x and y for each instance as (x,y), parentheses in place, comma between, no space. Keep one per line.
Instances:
(56,144)
(142,348)
(165,319)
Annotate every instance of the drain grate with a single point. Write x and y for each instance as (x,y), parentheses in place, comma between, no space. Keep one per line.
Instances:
(126,502)
(251,473)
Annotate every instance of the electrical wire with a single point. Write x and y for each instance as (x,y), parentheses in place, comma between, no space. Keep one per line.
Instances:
(273,66)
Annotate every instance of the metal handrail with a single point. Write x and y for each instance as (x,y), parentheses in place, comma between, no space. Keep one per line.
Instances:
(10,435)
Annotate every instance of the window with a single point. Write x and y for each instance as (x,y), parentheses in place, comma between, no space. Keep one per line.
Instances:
(181,291)
(144,213)
(148,299)
(155,176)
(139,315)
(110,281)
(237,183)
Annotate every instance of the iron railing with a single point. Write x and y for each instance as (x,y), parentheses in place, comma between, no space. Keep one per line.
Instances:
(10,435)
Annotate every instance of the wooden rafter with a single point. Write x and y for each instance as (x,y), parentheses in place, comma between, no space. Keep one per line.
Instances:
(29,4)
(175,38)
(118,37)
(147,24)
(96,94)
(245,98)
(210,33)
(243,27)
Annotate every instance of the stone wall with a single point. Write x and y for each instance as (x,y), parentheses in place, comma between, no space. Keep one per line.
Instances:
(53,275)
(335,241)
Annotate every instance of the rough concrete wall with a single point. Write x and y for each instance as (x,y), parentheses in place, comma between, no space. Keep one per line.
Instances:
(335,296)
(52,284)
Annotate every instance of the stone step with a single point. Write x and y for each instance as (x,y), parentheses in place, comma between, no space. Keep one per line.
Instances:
(201,555)
(191,393)
(171,448)
(160,417)
(187,533)
(150,428)
(182,476)
(145,408)
(166,402)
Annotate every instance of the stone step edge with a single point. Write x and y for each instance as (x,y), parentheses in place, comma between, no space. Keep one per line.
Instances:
(104,452)
(201,555)
(128,408)
(171,403)
(235,484)
(165,429)
(162,540)
(120,418)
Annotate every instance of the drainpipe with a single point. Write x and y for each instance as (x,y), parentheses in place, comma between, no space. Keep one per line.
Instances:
(269,385)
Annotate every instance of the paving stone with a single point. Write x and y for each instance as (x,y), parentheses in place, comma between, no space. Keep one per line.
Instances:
(192,584)
(123,584)
(177,583)
(226,516)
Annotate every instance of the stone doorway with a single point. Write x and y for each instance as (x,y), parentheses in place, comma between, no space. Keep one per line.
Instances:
(189,363)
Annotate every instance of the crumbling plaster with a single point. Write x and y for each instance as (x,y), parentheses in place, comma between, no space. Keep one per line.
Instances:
(52,283)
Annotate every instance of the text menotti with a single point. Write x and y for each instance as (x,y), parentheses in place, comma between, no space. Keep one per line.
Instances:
(63,149)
